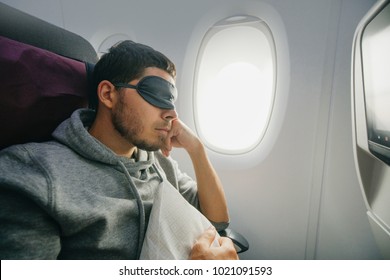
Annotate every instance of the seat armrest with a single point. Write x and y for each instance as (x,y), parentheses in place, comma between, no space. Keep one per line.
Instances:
(239,241)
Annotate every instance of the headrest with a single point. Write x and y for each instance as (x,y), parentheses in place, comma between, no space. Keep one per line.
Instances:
(39,89)
(22,27)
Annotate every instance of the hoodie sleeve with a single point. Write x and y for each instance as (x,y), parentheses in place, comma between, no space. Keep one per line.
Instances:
(27,231)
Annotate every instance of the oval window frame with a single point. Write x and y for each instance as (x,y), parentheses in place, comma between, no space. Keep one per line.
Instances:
(223,25)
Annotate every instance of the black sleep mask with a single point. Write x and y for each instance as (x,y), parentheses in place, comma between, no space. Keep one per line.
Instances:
(155,90)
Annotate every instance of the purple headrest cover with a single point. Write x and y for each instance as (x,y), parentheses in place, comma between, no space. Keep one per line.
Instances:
(39,89)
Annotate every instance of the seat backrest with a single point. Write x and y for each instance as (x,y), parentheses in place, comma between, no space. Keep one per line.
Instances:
(45,73)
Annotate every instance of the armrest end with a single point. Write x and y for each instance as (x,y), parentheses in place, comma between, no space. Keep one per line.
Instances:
(239,240)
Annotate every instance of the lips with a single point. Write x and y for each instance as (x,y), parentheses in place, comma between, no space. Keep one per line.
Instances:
(164,129)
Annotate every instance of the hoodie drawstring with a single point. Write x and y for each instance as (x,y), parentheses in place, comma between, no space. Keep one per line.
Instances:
(158,172)
(141,209)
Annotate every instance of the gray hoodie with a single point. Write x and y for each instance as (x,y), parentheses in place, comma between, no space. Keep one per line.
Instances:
(73,198)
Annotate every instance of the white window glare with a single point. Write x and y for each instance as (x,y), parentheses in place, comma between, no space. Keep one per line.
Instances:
(234,86)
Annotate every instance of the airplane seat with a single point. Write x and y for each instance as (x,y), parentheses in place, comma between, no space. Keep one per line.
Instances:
(371,119)
(45,73)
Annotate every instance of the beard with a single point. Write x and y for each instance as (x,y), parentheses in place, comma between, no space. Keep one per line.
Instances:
(129,125)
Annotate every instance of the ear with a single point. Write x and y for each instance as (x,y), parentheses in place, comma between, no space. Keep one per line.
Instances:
(107,94)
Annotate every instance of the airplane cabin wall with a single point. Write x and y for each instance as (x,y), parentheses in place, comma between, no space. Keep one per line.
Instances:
(303,200)
(343,230)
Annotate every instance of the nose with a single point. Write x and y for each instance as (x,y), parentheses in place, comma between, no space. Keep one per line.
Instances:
(169,115)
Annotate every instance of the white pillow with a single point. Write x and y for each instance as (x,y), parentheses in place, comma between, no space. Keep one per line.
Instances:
(174,225)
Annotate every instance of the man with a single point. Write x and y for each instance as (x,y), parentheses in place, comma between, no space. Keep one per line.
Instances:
(88,193)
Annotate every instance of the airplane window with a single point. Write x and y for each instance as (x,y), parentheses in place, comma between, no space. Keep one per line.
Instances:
(235,84)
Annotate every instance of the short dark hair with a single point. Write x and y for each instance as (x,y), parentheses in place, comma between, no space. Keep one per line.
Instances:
(126,61)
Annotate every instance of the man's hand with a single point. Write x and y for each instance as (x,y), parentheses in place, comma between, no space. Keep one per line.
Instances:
(202,249)
(180,136)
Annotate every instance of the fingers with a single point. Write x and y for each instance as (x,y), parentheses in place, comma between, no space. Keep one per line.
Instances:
(225,242)
(202,249)
(166,151)
(227,246)
(207,238)
(172,139)
(180,136)
(167,148)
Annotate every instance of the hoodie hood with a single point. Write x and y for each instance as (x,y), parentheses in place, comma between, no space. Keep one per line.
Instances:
(73,133)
